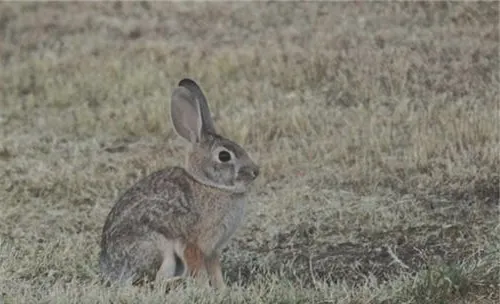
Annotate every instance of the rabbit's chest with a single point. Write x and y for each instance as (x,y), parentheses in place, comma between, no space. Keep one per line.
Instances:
(227,225)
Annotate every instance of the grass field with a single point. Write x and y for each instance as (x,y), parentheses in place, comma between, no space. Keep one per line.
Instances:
(376,127)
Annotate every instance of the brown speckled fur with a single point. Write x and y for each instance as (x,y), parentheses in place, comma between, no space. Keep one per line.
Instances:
(176,221)
(194,259)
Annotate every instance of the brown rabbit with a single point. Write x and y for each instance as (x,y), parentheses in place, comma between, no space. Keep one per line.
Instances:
(176,221)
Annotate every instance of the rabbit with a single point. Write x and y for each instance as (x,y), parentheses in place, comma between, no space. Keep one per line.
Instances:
(175,222)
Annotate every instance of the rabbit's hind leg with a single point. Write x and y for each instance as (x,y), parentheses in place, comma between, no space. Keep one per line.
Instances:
(172,267)
(134,260)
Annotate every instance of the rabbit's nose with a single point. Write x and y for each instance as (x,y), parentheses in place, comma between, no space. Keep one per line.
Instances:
(255,172)
(250,172)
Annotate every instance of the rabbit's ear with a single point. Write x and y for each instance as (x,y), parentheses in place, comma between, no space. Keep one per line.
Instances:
(206,118)
(186,115)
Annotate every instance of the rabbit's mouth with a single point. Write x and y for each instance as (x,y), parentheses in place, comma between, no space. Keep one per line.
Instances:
(244,179)
(239,187)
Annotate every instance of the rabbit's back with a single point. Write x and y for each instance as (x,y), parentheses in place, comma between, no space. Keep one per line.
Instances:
(164,197)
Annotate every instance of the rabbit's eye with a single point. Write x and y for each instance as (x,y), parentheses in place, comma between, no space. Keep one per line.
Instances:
(224,156)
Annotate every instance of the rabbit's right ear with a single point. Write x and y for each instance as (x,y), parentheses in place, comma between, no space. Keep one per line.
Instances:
(206,117)
(186,115)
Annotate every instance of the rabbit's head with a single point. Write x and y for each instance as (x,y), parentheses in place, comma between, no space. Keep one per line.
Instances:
(212,159)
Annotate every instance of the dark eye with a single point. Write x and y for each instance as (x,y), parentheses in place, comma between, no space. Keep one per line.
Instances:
(224,156)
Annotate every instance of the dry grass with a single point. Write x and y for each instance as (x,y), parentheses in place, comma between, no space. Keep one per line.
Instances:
(376,126)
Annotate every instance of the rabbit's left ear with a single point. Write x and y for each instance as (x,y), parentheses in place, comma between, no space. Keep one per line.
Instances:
(186,115)
(206,118)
